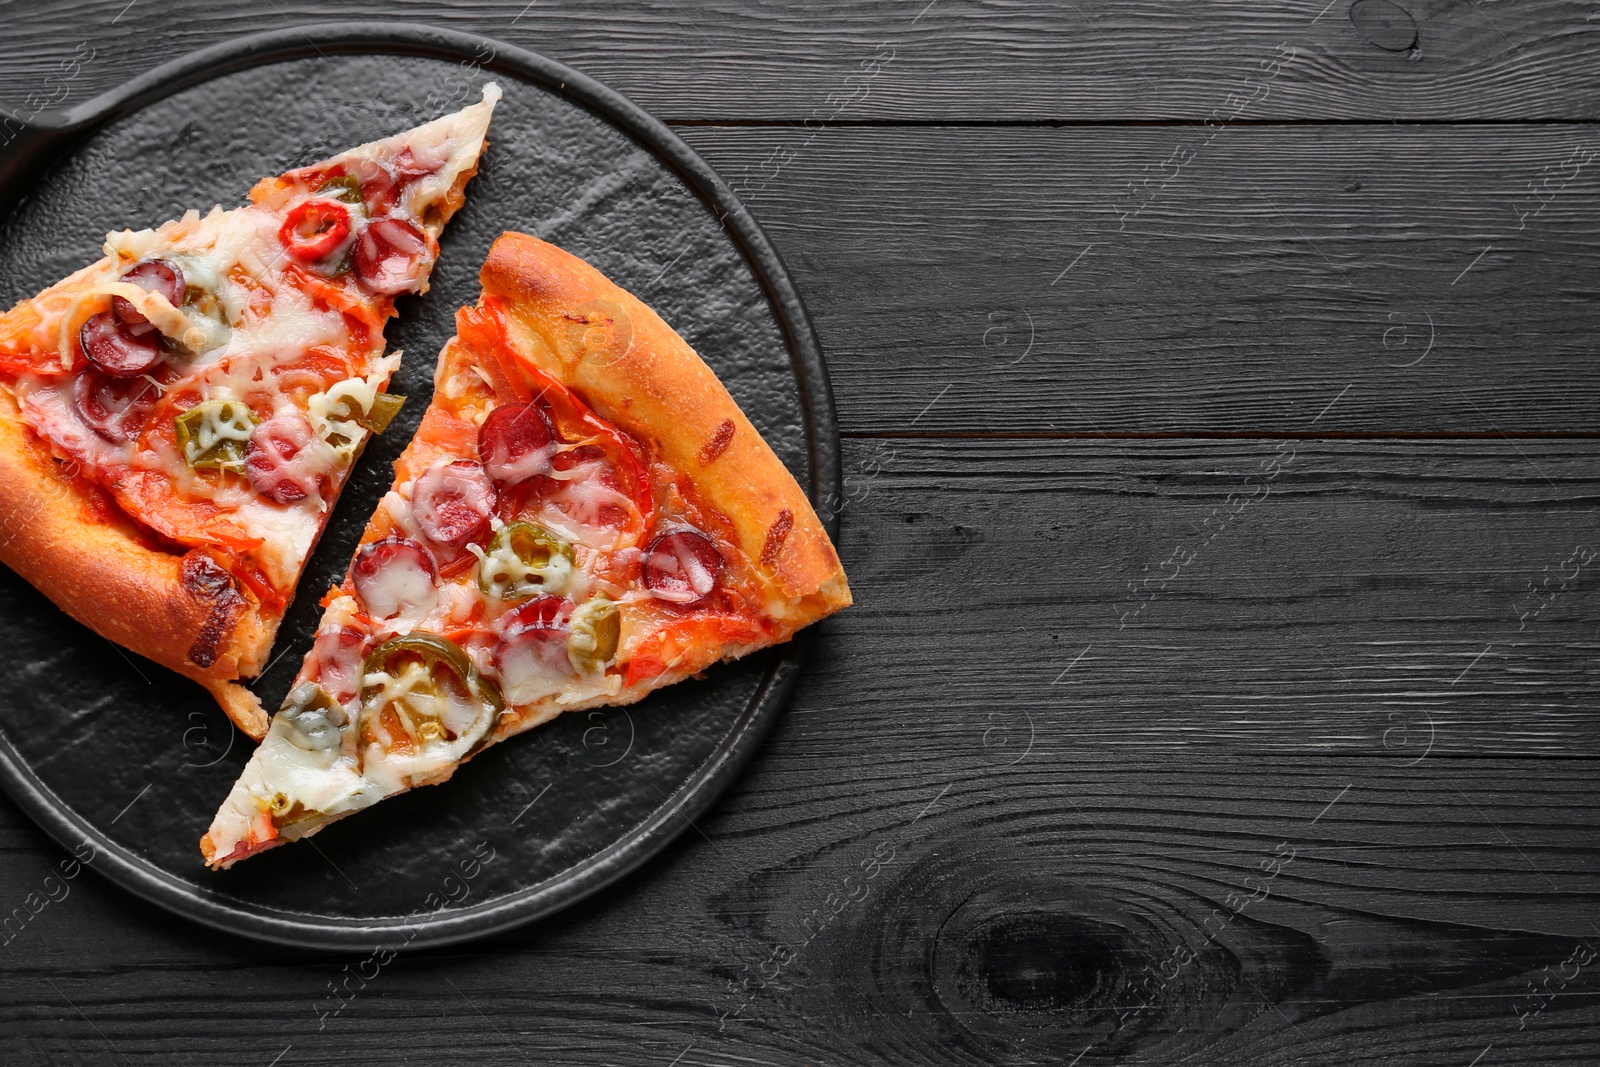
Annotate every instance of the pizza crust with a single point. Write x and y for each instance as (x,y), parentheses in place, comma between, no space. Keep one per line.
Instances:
(608,346)
(176,607)
(90,560)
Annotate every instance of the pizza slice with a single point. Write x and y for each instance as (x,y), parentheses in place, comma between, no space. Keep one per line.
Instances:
(585,515)
(177,418)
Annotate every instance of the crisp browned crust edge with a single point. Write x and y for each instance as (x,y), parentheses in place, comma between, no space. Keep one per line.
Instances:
(634,370)
(647,380)
(92,565)
(131,594)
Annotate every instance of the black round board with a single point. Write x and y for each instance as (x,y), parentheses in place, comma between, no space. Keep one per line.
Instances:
(125,762)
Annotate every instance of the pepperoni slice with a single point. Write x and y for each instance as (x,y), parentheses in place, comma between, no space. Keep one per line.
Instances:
(115,408)
(270,453)
(390,256)
(452,504)
(515,442)
(122,343)
(120,349)
(381,183)
(339,659)
(395,575)
(408,168)
(379,190)
(531,655)
(153,276)
(682,567)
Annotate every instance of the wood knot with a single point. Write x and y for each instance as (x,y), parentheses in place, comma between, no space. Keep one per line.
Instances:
(1384,24)
(1038,962)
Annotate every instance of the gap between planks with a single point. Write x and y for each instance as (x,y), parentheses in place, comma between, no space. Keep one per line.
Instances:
(1219,435)
(1063,123)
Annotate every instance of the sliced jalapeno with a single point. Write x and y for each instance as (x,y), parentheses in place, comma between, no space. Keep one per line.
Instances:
(385,406)
(450,679)
(310,719)
(344,187)
(594,631)
(213,433)
(523,561)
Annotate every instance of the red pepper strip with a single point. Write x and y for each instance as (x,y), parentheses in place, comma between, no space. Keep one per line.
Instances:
(365,318)
(483,331)
(256,581)
(314,228)
(683,645)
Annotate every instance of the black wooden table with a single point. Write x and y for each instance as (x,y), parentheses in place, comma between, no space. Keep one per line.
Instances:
(1220,411)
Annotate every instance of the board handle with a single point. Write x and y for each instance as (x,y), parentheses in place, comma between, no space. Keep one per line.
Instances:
(27,147)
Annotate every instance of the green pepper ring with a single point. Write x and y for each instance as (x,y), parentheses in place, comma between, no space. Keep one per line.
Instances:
(227,455)
(603,622)
(433,651)
(507,535)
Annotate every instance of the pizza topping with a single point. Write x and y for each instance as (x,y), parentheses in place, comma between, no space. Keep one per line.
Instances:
(343,187)
(380,413)
(596,628)
(391,256)
(119,348)
(531,655)
(395,576)
(310,719)
(422,688)
(314,230)
(338,651)
(114,408)
(408,168)
(340,413)
(525,560)
(375,183)
(213,433)
(279,463)
(154,276)
(452,504)
(516,442)
(682,567)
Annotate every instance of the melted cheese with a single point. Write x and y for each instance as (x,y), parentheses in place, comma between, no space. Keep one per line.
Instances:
(287,534)
(220,421)
(575,509)
(421,710)
(48,408)
(502,570)
(319,781)
(313,461)
(453,142)
(330,411)
(401,593)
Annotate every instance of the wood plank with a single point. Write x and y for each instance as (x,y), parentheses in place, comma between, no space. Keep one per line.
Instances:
(870,907)
(1382,599)
(1025,280)
(949,60)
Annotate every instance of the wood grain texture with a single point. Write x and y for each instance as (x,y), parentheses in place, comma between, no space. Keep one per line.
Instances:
(1097,281)
(1384,599)
(948,60)
(1222,837)
(936,911)
(1240,742)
